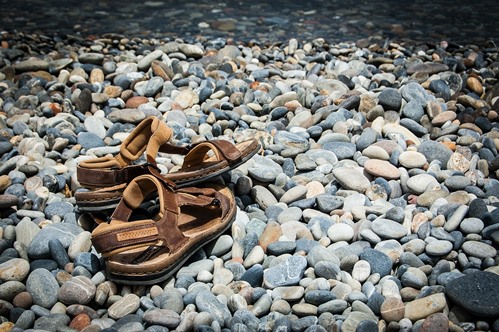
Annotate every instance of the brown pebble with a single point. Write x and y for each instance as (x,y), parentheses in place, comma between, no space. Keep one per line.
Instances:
(4,182)
(80,322)
(7,201)
(475,85)
(113,91)
(6,326)
(270,234)
(136,101)
(23,300)
(392,309)
(435,323)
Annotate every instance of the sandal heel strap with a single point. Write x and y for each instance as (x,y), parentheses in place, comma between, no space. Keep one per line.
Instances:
(102,178)
(107,238)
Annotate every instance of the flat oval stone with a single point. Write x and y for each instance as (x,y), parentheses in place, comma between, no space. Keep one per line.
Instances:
(378,261)
(389,229)
(392,309)
(418,184)
(340,232)
(351,179)
(382,169)
(422,308)
(412,159)
(127,305)
(439,248)
(163,317)
(43,288)
(15,269)
(361,270)
(77,290)
(479,249)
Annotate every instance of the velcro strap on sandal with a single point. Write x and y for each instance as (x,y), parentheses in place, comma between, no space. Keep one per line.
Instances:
(211,196)
(221,149)
(108,237)
(108,177)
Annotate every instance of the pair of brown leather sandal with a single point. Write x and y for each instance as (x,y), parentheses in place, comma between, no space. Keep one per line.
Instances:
(151,249)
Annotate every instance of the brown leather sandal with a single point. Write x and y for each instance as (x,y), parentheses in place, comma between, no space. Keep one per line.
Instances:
(149,251)
(108,175)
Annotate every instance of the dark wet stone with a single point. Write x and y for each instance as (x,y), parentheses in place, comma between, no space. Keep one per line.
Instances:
(46,264)
(476,292)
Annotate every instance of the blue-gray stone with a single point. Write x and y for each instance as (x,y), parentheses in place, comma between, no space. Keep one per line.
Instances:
(342,150)
(254,275)
(42,287)
(413,110)
(66,233)
(89,261)
(46,264)
(207,302)
(433,150)
(89,140)
(390,99)
(365,139)
(441,89)
(379,261)
(318,297)
(375,301)
(327,203)
(414,127)
(58,252)
(25,320)
(367,326)
(58,209)
(281,247)
(52,322)
(287,273)
(245,318)
(414,91)
(327,270)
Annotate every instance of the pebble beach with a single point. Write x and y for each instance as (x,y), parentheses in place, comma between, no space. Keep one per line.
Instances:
(371,206)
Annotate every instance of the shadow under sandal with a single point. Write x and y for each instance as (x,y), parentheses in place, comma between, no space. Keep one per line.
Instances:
(108,175)
(149,251)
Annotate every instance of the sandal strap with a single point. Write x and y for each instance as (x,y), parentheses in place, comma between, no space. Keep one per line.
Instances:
(120,234)
(151,135)
(221,148)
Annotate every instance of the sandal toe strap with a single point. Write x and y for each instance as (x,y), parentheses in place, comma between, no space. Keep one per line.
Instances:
(223,150)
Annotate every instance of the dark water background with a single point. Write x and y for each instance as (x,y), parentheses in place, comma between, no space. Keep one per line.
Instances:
(459,21)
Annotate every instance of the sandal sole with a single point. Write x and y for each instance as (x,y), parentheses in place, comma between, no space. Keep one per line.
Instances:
(158,277)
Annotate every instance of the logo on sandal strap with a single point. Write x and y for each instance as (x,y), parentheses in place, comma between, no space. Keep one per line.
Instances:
(137,234)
